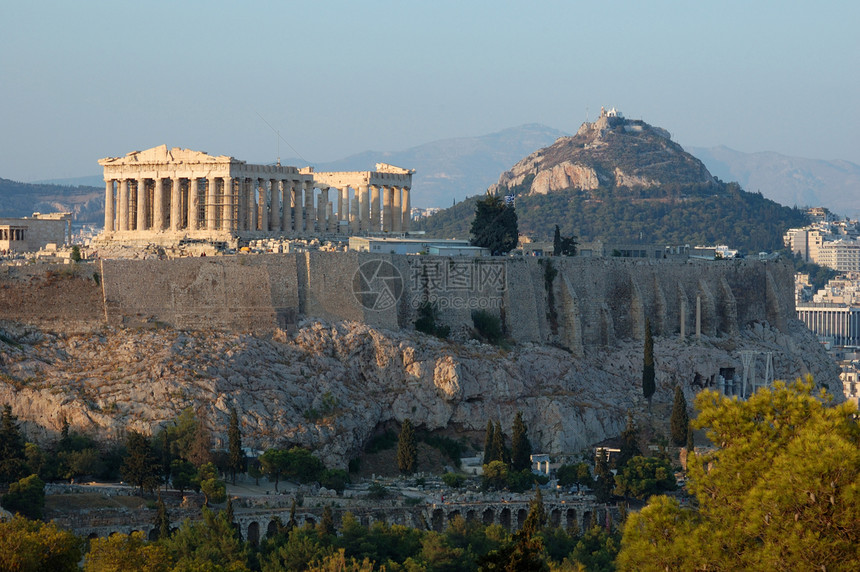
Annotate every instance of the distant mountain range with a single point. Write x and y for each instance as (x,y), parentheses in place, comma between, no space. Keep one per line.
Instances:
(788,180)
(449,170)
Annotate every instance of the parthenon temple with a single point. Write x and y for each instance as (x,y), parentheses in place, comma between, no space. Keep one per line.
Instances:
(165,195)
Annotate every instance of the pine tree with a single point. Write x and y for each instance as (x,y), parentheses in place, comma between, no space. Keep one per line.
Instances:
(406,448)
(680,421)
(234,436)
(521,449)
(488,444)
(648,386)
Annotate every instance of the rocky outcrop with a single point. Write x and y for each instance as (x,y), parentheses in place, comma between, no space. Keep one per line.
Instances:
(612,152)
(329,385)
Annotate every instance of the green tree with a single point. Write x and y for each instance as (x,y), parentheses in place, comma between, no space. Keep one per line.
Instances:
(406,448)
(26,497)
(556,242)
(184,475)
(779,493)
(536,518)
(494,226)
(140,466)
(75,256)
(648,386)
(629,443)
(642,477)
(521,449)
(488,444)
(274,463)
(495,475)
(32,546)
(578,474)
(13,464)
(209,544)
(604,481)
(499,451)
(680,421)
(124,552)
(211,486)
(162,518)
(326,523)
(234,437)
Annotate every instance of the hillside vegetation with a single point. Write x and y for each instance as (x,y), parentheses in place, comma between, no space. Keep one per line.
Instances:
(23,199)
(618,180)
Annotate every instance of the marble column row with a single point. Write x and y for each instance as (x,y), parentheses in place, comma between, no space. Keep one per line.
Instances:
(374,208)
(251,204)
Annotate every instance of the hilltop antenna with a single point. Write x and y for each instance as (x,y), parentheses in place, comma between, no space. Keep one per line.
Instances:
(278,134)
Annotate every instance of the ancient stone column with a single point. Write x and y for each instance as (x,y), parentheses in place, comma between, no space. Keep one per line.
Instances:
(375,223)
(353,216)
(275,219)
(332,220)
(396,210)
(122,208)
(287,214)
(241,204)
(322,209)
(175,205)
(340,200)
(109,206)
(210,203)
(386,209)
(364,191)
(193,203)
(309,206)
(253,207)
(142,205)
(263,205)
(299,204)
(362,197)
(158,205)
(227,202)
(407,210)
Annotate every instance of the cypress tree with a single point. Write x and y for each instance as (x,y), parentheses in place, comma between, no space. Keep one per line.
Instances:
(605,482)
(326,524)
(234,436)
(521,449)
(13,464)
(499,444)
(691,444)
(629,443)
(536,518)
(488,444)
(556,242)
(162,519)
(406,448)
(680,421)
(648,386)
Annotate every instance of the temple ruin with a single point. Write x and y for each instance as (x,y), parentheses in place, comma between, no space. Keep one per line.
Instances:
(166,195)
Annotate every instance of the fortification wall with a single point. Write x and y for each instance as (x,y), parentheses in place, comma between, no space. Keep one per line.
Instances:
(52,296)
(574,302)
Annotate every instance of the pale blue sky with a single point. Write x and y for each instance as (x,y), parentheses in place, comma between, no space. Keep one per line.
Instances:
(84,80)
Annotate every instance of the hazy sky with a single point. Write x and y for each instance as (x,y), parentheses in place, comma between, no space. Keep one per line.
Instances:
(84,80)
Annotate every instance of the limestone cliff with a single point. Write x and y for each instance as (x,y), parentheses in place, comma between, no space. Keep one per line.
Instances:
(611,153)
(328,385)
